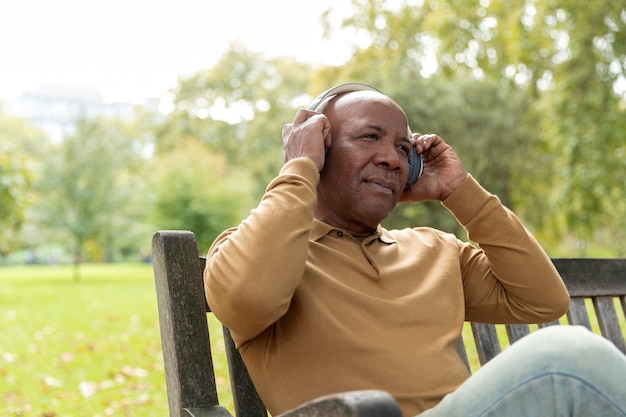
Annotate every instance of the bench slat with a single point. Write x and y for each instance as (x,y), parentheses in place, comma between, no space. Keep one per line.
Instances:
(247,401)
(487,342)
(460,349)
(550,323)
(577,313)
(607,319)
(516,332)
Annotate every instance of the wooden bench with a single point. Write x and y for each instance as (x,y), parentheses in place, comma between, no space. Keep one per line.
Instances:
(598,285)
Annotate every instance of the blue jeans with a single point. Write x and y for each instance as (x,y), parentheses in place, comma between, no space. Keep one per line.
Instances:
(556,371)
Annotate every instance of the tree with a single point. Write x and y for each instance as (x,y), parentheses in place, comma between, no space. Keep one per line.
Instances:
(15,179)
(19,142)
(197,190)
(237,109)
(85,189)
(585,121)
(569,56)
(484,122)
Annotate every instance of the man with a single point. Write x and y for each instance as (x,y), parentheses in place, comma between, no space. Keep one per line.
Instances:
(321,299)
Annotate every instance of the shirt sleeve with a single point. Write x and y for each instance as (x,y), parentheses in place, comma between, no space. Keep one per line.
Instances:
(253,270)
(510,278)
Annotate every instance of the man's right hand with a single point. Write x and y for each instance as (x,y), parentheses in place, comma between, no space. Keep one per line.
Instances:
(443,170)
(308,136)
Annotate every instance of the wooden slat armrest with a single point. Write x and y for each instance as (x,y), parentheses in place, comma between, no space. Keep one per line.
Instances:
(366,403)
(209,411)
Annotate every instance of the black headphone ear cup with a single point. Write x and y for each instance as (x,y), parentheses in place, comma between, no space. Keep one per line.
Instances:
(416,167)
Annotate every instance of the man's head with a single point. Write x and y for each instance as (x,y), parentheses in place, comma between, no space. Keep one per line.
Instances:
(366,167)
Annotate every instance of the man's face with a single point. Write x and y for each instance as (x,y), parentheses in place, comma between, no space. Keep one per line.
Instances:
(366,166)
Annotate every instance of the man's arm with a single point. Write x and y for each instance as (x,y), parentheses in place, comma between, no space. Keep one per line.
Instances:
(511,279)
(253,270)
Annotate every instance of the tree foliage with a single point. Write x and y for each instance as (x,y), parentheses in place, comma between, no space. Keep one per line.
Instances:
(86,186)
(484,122)
(531,94)
(237,109)
(196,189)
(20,144)
(15,179)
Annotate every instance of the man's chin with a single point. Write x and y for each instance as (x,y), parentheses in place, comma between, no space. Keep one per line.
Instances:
(375,215)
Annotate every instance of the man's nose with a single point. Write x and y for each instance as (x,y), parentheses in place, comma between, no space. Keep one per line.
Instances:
(388,156)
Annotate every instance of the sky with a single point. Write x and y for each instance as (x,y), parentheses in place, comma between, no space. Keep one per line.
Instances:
(131,50)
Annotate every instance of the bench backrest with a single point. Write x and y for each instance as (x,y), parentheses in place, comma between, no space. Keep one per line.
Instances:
(597,288)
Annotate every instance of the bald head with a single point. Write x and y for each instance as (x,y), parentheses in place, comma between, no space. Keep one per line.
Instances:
(352,101)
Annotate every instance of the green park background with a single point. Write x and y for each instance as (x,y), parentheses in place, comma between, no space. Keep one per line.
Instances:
(531,94)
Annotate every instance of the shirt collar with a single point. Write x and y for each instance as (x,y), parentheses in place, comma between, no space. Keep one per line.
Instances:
(321,229)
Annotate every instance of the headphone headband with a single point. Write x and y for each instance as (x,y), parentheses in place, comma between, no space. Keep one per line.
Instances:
(339,89)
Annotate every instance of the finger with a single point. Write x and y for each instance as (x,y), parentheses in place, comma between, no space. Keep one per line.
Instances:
(414,137)
(287,131)
(424,142)
(326,133)
(303,115)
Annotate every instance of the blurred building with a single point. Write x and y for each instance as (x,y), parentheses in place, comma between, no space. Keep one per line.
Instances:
(55,107)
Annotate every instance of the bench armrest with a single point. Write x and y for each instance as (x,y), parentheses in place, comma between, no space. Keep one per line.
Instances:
(365,403)
(208,411)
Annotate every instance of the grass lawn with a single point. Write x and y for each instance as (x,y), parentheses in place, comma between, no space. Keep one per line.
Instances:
(88,348)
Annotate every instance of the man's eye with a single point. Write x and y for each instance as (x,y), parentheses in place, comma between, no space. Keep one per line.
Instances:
(404,148)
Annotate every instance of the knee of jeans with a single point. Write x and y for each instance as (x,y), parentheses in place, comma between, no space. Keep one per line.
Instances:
(558,347)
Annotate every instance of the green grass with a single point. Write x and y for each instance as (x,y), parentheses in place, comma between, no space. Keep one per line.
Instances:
(87,348)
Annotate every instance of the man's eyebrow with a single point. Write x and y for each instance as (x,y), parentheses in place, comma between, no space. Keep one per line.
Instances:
(375,127)
(380,129)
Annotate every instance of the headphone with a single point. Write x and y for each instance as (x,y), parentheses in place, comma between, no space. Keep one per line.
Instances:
(416,163)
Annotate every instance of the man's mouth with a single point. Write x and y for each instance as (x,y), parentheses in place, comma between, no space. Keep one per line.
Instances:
(382,185)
